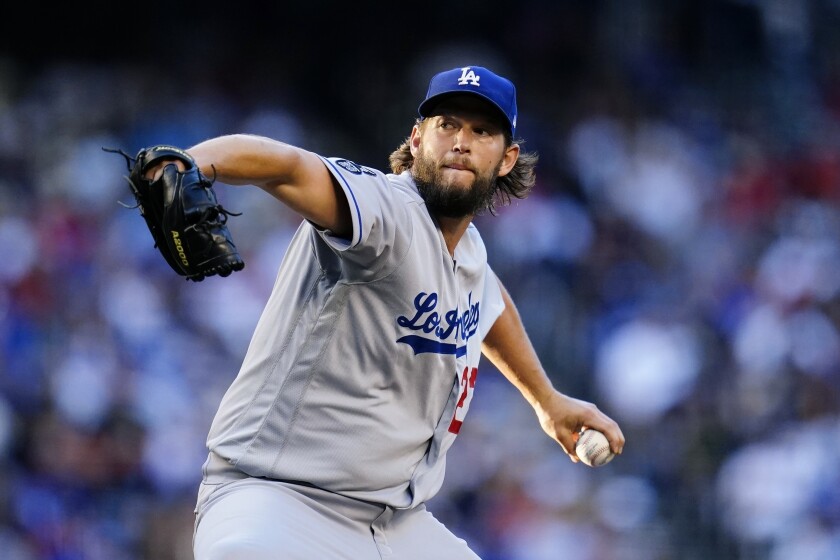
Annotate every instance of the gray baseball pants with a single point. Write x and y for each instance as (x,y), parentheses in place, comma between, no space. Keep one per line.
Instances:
(241,517)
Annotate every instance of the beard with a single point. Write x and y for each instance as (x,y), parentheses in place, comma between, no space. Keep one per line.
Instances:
(448,200)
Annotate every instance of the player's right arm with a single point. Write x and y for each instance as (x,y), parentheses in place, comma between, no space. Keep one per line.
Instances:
(295,176)
(509,348)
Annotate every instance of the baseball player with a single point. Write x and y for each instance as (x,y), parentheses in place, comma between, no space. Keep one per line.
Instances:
(361,369)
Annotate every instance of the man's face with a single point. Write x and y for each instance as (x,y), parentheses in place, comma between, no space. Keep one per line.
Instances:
(459,151)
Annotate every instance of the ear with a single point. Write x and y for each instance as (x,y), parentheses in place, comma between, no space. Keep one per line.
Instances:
(414,140)
(509,159)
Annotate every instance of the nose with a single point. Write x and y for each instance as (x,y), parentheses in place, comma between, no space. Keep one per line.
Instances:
(462,141)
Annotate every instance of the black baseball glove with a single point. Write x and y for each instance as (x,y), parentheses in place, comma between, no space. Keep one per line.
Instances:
(187,223)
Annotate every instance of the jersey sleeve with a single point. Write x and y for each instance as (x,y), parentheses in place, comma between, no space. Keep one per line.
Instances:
(492,303)
(381,229)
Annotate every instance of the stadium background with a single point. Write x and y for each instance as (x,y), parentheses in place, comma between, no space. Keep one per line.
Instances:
(678,262)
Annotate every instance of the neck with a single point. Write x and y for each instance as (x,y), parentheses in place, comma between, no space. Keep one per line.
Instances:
(453,230)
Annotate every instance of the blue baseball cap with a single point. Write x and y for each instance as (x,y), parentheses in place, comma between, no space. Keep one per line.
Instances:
(476,80)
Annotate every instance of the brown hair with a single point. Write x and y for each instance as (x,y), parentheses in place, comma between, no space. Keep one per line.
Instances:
(516,184)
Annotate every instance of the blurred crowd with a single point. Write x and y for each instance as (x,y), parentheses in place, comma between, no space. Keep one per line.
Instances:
(678,264)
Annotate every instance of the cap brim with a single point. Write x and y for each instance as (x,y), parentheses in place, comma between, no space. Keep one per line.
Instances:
(428,106)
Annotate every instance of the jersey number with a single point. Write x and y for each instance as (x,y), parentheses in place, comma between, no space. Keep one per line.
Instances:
(468,386)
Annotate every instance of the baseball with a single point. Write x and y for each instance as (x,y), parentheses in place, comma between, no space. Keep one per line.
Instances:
(593,449)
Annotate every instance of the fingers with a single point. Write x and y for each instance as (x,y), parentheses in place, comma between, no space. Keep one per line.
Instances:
(604,424)
(616,439)
(567,442)
(156,171)
(609,428)
(613,433)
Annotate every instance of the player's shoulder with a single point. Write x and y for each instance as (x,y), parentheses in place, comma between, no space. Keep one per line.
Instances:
(350,168)
(473,237)
(357,174)
(403,182)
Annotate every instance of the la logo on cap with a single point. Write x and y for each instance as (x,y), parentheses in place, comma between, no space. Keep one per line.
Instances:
(468,77)
(472,80)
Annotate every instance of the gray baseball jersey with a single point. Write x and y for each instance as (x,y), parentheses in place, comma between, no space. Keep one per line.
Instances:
(364,361)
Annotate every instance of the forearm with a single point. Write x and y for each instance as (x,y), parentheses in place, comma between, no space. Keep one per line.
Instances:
(562,417)
(295,176)
(243,159)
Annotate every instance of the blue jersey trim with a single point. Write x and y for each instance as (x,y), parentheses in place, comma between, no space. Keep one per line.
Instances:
(422,345)
(353,196)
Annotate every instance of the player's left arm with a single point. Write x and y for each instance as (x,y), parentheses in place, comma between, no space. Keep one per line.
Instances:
(295,176)
(509,348)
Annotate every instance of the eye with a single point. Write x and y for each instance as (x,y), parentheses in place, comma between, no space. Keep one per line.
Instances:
(447,124)
(487,129)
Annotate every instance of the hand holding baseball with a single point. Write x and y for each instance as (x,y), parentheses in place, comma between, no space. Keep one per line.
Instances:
(593,449)
(567,419)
